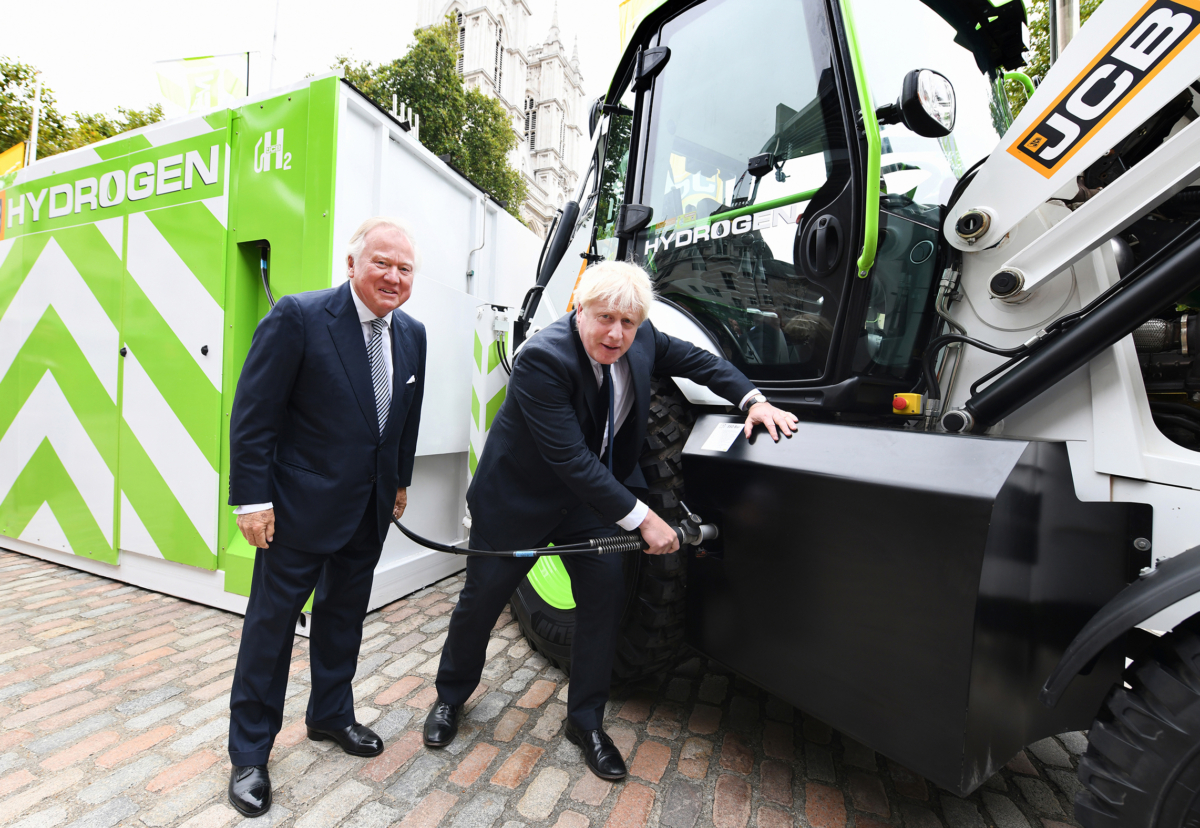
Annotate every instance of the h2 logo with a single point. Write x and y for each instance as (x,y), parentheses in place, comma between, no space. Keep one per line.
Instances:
(262,155)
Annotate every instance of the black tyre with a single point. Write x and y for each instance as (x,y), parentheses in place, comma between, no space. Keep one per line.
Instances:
(652,625)
(1142,765)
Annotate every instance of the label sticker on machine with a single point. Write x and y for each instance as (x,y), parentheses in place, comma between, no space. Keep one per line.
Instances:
(1151,40)
(722,437)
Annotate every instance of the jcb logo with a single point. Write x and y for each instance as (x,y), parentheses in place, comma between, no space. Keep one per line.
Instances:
(1150,41)
(262,155)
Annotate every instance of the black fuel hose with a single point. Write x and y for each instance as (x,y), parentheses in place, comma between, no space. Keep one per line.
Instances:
(691,532)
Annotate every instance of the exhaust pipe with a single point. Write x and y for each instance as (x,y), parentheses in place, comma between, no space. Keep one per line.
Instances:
(1172,275)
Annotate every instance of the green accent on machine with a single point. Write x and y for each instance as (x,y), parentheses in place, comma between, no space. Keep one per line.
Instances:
(1023,79)
(550,580)
(116,149)
(493,407)
(874,149)
(478,354)
(474,406)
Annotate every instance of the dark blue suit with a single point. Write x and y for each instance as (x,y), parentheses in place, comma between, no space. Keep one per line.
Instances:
(540,480)
(304,435)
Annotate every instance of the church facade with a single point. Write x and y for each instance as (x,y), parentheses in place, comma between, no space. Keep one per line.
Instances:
(539,85)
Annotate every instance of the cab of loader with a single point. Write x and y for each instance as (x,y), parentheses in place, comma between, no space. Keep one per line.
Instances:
(732,161)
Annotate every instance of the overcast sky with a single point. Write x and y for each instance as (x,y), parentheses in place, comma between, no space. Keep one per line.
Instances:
(98,56)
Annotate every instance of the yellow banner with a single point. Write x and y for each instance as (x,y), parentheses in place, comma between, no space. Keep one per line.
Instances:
(12,159)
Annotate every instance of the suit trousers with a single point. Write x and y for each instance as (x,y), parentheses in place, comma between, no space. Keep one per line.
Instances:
(598,585)
(283,579)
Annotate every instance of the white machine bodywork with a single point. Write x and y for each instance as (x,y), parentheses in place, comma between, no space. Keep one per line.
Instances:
(1102,410)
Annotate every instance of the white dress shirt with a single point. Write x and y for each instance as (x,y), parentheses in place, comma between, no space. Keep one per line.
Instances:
(622,405)
(365,317)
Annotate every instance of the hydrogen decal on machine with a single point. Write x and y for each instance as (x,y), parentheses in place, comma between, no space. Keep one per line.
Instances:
(686,229)
(263,156)
(1152,39)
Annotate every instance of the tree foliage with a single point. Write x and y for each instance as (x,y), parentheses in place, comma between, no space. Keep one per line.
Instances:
(56,132)
(1037,58)
(472,129)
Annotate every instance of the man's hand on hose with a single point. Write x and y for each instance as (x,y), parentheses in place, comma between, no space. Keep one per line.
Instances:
(771,417)
(660,537)
(401,503)
(258,528)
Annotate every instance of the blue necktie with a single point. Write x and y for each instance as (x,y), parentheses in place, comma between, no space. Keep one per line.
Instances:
(612,432)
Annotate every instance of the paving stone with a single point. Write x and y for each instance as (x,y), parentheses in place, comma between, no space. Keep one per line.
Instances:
(1067,782)
(572,819)
(918,816)
(372,815)
(17,689)
(1051,752)
(202,714)
(122,779)
(650,761)
(518,765)
(190,767)
(679,689)
(508,726)
(394,756)
(8,761)
(335,806)
(481,812)
(155,715)
(430,810)
(961,813)
(392,723)
(776,781)
(866,791)
(731,802)
(473,766)
(1021,764)
(107,815)
(542,794)
(496,669)
(48,744)
(664,723)
(633,807)
(50,817)
(778,741)
(907,783)
(1038,794)
(149,700)
(550,722)
(996,783)
(404,664)
(736,755)
(705,719)
(1075,742)
(315,780)
(682,805)
(186,799)
(819,763)
(467,732)
(489,707)
(769,817)
(591,789)
(624,738)
(713,689)
(823,807)
(537,695)
(1004,812)
(200,736)
(743,713)
(436,625)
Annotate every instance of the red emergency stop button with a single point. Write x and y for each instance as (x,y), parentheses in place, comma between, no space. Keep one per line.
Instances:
(899,403)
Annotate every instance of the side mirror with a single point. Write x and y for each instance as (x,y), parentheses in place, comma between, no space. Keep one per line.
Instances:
(926,104)
(594,116)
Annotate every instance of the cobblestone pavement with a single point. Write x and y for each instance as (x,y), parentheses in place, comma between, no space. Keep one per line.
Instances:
(114,711)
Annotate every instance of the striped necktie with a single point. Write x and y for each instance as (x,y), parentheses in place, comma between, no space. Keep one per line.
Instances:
(612,435)
(379,374)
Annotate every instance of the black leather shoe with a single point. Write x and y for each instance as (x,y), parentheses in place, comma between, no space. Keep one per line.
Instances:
(355,739)
(250,790)
(441,725)
(601,755)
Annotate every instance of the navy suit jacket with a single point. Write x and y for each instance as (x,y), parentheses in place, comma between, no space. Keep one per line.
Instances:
(304,433)
(540,462)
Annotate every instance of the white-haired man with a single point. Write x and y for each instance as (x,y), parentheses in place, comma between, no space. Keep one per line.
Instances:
(552,472)
(321,438)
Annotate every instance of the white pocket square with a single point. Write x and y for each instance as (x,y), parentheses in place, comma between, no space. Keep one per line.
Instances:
(411,380)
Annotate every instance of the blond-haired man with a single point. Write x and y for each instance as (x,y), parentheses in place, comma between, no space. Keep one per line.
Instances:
(321,444)
(552,471)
